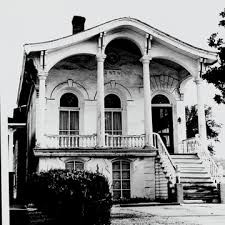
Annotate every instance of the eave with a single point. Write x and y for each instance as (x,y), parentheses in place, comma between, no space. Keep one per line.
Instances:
(120,22)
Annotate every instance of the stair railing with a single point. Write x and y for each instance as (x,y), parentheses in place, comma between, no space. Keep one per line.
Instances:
(167,161)
(201,149)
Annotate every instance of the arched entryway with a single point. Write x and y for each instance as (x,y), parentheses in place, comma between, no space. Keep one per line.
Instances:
(162,120)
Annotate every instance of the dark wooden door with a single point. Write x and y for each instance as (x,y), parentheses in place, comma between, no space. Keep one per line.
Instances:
(163,125)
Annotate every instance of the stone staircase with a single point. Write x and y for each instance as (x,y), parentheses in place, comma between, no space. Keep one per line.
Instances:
(197,183)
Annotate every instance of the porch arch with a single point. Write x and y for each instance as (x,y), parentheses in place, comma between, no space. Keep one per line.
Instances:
(130,36)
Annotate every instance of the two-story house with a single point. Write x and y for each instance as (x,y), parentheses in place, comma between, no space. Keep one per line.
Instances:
(111,99)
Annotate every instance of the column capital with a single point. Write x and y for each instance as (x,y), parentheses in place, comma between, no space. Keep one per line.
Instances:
(145,59)
(42,75)
(198,80)
(100,57)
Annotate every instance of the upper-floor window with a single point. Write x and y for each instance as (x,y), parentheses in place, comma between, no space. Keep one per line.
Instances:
(75,165)
(69,114)
(113,115)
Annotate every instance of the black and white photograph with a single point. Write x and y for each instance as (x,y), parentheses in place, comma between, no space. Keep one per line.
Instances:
(112,112)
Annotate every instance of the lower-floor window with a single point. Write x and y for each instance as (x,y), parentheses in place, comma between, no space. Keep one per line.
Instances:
(75,165)
(121,179)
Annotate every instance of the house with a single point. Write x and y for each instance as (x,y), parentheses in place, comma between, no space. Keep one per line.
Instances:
(111,99)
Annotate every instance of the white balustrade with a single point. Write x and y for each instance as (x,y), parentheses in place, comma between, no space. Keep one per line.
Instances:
(165,158)
(124,141)
(194,145)
(70,141)
(190,145)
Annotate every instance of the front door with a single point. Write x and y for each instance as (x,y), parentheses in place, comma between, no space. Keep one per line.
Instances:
(163,125)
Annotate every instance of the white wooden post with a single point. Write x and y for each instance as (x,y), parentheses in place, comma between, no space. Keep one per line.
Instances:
(100,101)
(41,109)
(201,112)
(147,100)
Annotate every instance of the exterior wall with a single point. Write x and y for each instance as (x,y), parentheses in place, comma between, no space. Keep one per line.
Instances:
(142,171)
(31,131)
(161,182)
(78,75)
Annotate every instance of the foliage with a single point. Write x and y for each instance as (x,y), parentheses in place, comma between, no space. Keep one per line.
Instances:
(212,128)
(72,197)
(216,74)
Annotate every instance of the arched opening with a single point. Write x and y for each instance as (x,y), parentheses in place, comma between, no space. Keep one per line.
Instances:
(121,179)
(162,120)
(69,114)
(113,115)
(120,52)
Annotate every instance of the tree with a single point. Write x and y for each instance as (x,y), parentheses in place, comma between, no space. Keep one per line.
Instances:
(216,74)
(212,128)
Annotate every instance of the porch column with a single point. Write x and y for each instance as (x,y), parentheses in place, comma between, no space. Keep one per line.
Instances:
(201,111)
(100,101)
(10,153)
(147,100)
(41,111)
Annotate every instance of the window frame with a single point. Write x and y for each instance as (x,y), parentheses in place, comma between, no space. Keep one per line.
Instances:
(69,110)
(74,164)
(121,170)
(112,111)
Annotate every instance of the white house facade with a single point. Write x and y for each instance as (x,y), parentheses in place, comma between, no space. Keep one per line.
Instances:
(111,99)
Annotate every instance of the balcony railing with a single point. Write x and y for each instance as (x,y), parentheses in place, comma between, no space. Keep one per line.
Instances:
(90,141)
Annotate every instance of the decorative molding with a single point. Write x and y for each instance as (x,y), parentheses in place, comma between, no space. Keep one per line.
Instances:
(165,82)
(114,85)
(69,83)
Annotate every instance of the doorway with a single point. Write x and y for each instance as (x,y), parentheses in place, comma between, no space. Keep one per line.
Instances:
(162,120)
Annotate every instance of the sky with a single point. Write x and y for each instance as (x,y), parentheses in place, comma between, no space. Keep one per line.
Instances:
(27,21)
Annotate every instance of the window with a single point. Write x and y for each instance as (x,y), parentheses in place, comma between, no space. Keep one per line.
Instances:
(75,165)
(160,99)
(69,115)
(113,115)
(121,179)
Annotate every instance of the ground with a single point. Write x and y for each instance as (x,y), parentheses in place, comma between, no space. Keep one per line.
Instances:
(188,214)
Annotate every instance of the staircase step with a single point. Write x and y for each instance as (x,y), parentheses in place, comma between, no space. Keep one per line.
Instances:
(194,175)
(196,171)
(200,196)
(191,165)
(185,156)
(195,180)
(200,187)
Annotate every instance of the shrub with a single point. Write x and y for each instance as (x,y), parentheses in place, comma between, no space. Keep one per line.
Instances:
(71,197)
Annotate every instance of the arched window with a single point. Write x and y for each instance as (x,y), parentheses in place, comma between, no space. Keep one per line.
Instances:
(69,115)
(121,179)
(75,165)
(160,99)
(69,100)
(113,115)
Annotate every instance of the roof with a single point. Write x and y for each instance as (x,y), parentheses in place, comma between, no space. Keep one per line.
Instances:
(108,26)
(104,27)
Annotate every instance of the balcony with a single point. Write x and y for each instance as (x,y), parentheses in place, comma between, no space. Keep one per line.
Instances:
(90,141)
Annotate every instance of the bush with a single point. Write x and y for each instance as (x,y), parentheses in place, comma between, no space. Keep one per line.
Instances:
(71,197)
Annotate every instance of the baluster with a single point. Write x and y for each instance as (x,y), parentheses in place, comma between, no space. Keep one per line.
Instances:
(110,141)
(80,141)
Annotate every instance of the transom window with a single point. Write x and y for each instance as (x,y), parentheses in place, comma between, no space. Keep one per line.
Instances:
(69,115)
(75,165)
(160,99)
(121,179)
(113,115)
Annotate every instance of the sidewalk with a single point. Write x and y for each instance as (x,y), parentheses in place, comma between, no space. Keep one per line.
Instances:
(188,214)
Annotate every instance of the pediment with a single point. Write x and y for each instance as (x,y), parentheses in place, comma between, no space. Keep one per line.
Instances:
(125,24)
